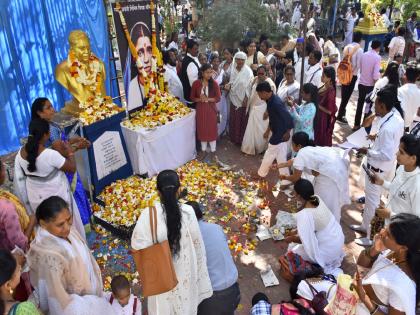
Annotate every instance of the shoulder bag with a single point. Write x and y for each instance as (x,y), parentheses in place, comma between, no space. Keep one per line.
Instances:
(154,263)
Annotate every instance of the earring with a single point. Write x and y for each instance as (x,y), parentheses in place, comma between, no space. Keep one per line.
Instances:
(11,291)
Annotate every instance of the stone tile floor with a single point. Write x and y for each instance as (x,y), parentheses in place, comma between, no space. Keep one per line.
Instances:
(268,250)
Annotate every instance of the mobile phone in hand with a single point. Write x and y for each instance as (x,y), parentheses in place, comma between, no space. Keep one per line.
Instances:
(368,172)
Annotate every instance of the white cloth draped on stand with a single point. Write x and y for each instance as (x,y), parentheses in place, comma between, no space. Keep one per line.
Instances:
(322,238)
(161,148)
(332,182)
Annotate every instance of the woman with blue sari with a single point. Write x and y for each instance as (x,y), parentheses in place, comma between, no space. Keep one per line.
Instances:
(42,108)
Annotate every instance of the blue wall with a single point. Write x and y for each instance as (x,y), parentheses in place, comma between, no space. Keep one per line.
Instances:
(33,40)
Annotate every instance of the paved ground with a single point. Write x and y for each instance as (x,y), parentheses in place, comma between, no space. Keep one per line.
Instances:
(269,250)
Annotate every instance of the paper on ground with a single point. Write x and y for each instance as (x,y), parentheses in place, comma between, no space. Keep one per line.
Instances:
(263,233)
(269,278)
(356,140)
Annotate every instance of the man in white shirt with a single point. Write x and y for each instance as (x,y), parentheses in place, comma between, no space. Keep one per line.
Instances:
(298,53)
(381,157)
(384,15)
(409,96)
(296,16)
(174,83)
(313,72)
(351,19)
(347,90)
(397,44)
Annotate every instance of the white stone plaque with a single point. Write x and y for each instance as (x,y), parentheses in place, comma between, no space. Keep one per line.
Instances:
(109,153)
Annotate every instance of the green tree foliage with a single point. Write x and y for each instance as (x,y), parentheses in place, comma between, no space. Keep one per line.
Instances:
(230,21)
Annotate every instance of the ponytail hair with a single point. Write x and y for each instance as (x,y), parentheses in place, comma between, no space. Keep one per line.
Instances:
(168,185)
(312,90)
(388,96)
(38,128)
(305,189)
(405,228)
(329,72)
(302,138)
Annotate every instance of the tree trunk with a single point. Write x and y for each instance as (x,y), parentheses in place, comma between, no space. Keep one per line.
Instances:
(194,13)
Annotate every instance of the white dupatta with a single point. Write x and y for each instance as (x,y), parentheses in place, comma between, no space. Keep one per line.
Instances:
(65,275)
(239,81)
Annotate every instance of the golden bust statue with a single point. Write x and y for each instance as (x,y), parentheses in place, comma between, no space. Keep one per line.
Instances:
(82,74)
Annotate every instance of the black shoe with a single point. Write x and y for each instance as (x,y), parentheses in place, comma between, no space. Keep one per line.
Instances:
(342,120)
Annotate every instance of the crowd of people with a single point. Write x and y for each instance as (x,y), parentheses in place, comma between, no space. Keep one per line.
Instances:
(259,98)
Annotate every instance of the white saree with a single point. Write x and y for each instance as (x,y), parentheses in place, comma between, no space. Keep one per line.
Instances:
(190,264)
(321,236)
(239,81)
(332,182)
(65,275)
(254,142)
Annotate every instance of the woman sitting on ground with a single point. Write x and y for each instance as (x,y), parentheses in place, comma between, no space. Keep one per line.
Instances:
(10,271)
(329,166)
(65,275)
(319,236)
(392,285)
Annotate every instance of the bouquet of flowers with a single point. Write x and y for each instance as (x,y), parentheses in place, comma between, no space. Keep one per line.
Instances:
(97,108)
(161,109)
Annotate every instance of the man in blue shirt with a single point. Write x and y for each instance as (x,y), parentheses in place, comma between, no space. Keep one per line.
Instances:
(280,124)
(222,270)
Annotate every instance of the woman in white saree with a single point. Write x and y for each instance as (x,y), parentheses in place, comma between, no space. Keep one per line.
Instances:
(328,165)
(254,142)
(40,172)
(319,234)
(177,224)
(65,275)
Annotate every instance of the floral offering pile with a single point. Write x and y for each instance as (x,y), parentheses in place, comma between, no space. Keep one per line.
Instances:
(97,108)
(231,200)
(161,109)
